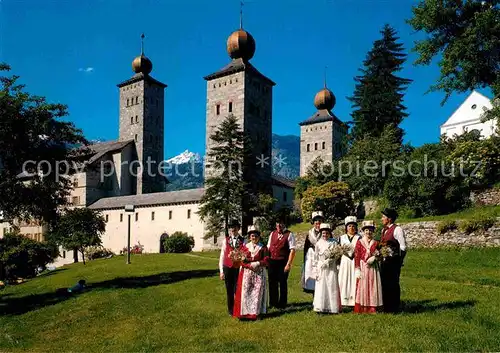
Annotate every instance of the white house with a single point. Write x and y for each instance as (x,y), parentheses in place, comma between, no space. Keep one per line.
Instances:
(468,117)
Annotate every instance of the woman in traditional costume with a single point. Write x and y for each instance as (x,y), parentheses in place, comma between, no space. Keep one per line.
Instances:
(369,285)
(308,278)
(251,293)
(347,275)
(327,293)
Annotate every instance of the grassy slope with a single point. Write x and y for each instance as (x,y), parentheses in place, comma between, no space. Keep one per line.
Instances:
(155,304)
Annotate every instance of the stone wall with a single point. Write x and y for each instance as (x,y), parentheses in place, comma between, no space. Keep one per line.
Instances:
(490,197)
(425,235)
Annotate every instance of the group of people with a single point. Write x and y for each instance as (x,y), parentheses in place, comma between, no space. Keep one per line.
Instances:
(365,276)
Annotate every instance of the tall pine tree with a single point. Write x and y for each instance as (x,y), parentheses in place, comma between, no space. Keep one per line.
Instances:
(378,96)
(225,187)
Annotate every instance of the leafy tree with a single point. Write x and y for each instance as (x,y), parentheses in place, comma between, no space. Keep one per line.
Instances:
(31,131)
(479,161)
(333,198)
(378,96)
(225,187)
(466,36)
(21,257)
(318,173)
(78,229)
(367,165)
(426,184)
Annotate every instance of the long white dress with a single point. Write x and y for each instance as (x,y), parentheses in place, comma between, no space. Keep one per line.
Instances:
(308,279)
(347,272)
(327,293)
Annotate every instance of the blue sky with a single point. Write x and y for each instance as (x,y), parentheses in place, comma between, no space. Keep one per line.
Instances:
(75,52)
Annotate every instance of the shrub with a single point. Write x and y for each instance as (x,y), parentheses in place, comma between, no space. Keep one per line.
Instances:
(179,242)
(476,224)
(333,198)
(21,257)
(97,252)
(446,226)
(406,212)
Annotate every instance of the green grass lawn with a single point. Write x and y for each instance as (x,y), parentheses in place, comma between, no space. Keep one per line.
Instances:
(176,303)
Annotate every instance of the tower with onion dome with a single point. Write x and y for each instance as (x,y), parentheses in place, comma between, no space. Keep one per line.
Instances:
(142,120)
(240,89)
(323,134)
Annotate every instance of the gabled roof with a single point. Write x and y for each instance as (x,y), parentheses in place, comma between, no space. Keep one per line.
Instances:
(321,116)
(153,199)
(139,77)
(284,182)
(237,65)
(470,110)
(100,149)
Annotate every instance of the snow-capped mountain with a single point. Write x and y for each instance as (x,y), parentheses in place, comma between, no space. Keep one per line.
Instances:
(185,157)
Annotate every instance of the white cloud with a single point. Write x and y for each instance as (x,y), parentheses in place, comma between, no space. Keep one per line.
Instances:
(87,69)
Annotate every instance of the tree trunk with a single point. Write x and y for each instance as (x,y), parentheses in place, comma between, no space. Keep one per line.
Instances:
(75,256)
(83,256)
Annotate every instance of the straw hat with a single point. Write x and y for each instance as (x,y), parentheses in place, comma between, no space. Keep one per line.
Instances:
(368,224)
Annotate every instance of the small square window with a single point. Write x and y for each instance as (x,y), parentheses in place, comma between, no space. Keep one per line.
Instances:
(230,107)
(107,218)
(315,146)
(128,102)
(152,216)
(169,214)
(308,148)
(121,217)
(136,119)
(217,109)
(324,145)
(189,214)
(136,217)
(135,137)
(131,120)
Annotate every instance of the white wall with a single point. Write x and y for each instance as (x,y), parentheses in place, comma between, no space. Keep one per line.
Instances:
(468,117)
(148,231)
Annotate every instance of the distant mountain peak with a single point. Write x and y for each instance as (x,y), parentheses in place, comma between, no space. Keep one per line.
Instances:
(185,157)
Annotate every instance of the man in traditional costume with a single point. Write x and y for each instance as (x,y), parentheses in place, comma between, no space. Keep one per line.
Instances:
(308,278)
(229,265)
(390,269)
(368,286)
(347,276)
(327,293)
(251,292)
(281,246)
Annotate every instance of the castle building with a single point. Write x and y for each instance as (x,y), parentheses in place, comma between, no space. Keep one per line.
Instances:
(112,177)
(323,134)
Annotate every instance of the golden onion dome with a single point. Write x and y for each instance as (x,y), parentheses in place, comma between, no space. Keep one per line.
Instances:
(142,64)
(325,99)
(241,44)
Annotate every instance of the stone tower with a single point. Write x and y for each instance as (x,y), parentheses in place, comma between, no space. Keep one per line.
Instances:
(142,120)
(240,89)
(323,134)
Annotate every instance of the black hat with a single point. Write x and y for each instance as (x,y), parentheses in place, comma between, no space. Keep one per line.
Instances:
(390,213)
(234,223)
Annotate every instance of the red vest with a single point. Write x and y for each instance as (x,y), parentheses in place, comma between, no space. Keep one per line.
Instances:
(227,262)
(388,237)
(279,248)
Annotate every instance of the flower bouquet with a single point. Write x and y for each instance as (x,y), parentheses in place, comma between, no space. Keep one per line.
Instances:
(237,256)
(333,253)
(384,251)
